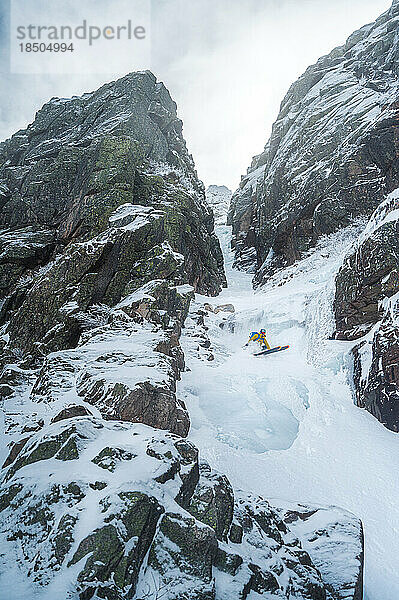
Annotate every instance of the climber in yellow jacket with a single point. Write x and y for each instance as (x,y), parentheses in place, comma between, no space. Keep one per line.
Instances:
(260,337)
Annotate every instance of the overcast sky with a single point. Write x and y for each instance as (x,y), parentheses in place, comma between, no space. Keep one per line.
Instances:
(227,63)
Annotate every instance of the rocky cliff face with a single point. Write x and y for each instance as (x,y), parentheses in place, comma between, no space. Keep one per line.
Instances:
(110,510)
(106,236)
(332,155)
(365,305)
(104,224)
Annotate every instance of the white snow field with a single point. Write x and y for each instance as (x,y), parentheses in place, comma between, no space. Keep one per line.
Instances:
(285,425)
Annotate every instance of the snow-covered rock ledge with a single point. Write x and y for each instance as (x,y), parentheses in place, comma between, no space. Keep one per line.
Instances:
(96,509)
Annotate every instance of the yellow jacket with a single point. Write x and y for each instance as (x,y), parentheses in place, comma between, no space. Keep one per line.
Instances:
(256,336)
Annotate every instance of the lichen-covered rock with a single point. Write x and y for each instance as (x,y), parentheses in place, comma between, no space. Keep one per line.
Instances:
(105,236)
(84,157)
(326,535)
(213,502)
(183,554)
(99,196)
(332,154)
(104,520)
(126,369)
(115,551)
(99,271)
(98,509)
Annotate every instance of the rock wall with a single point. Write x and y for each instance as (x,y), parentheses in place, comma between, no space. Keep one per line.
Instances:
(333,158)
(332,154)
(105,228)
(365,306)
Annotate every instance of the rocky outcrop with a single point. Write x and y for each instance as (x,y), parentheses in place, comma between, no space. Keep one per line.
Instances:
(366,295)
(376,372)
(369,274)
(332,154)
(327,539)
(99,196)
(120,510)
(106,234)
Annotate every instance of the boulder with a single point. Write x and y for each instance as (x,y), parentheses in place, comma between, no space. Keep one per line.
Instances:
(333,539)
(229,308)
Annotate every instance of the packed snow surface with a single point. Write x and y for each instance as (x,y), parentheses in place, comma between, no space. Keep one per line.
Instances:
(285,425)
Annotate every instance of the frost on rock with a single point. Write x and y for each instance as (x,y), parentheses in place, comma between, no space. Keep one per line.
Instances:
(119,510)
(333,539)
(106,236)
(365,305)
(331,155)
(95,284)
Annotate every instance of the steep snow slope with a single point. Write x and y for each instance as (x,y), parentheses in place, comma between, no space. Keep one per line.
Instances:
(285,425)
(218,197)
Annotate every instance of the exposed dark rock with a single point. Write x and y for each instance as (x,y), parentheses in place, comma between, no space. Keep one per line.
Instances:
(108,564)
(146,403)
(126,368)
(15,450)
(75,410)
(213,502)
(366,307)
(368,275)
(376,374)
(332,155)
(21,252)
(103,186)
(186,546)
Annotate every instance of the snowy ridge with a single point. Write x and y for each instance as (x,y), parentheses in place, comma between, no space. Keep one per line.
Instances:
(218,197)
